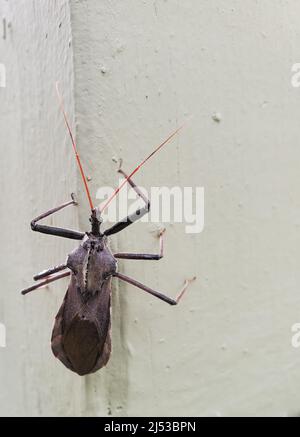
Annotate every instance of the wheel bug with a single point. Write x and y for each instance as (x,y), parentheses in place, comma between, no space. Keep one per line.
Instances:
(81,336)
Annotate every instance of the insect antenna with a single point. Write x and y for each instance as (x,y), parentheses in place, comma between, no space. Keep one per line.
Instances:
(139,166)
(74,147)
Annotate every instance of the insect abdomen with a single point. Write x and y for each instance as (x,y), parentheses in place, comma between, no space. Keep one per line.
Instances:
(81,345)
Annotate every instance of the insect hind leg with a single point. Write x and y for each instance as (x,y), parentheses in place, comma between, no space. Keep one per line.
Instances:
(47,281)
(155,293)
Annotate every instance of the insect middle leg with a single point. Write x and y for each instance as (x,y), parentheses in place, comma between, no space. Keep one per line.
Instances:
(51,230)
(47,281)
(155,293)
(49,272)
(145,256)
(132,217)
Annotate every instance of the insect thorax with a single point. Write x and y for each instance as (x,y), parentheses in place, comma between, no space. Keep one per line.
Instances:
(92,263)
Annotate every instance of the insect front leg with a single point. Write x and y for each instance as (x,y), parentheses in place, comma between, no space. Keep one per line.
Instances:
(145,256)
(51,230)
(133,217)
(155,293)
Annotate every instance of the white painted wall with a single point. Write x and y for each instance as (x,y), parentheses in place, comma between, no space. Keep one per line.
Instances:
(139,69)
(37,172)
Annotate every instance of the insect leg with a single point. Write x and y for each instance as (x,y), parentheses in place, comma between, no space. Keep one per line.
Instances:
(133,185)
(133,217)
(145,256)
(51,230)
(157,294)
(46,282)
(49,272)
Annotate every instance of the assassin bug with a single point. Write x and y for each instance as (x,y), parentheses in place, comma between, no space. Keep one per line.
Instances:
(81,336)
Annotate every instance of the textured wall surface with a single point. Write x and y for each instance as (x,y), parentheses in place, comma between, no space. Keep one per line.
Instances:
(37,172)
(131,72)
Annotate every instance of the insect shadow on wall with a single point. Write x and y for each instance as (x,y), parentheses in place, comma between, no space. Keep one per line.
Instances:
(81,336)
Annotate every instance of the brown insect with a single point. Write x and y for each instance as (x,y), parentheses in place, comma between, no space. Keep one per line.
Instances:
(81,337)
